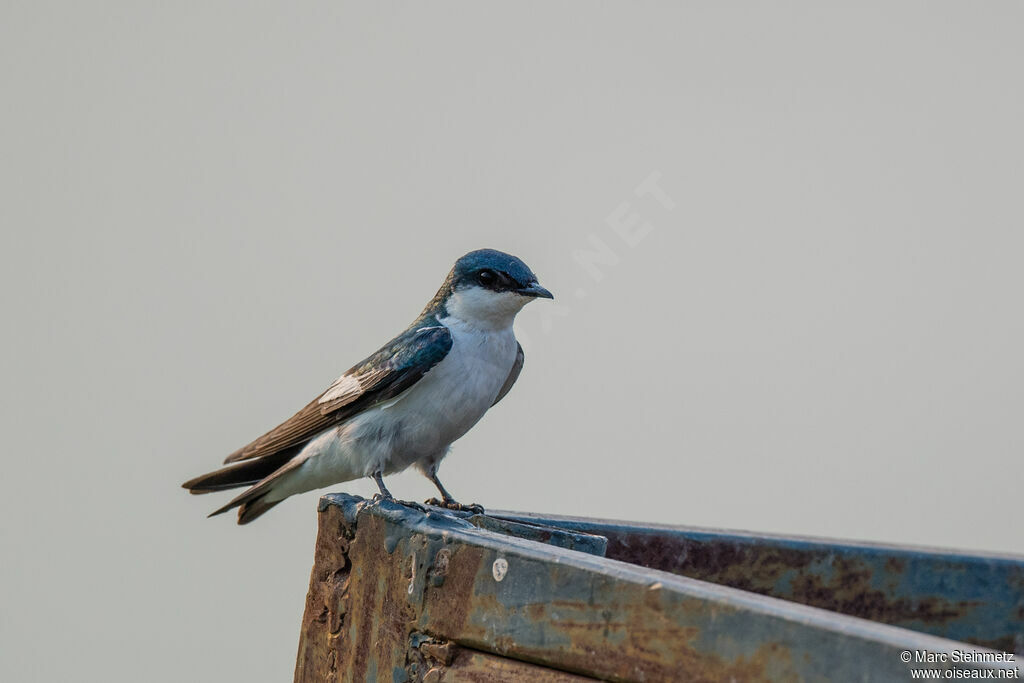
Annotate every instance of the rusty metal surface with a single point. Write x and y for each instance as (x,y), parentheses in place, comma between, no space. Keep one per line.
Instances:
(470,666)
(394,592)
(971,597)
(444,661)
(593,544)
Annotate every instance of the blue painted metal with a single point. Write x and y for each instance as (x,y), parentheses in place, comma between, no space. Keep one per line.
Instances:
(569,539)
(971,597)
(393,587)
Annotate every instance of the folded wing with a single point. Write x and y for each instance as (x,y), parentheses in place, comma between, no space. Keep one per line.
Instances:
(513,375)
(383,376)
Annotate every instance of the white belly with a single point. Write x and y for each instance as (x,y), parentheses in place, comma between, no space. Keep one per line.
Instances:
(421,423)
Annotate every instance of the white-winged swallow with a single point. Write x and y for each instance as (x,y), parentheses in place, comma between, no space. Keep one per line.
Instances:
(402,406)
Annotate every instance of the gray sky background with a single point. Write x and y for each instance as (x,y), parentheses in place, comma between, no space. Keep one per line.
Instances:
(210,210)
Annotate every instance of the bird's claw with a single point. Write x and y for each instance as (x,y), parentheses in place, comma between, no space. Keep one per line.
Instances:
(457,506)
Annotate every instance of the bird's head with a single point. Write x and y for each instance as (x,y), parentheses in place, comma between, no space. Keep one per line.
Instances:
(486,288)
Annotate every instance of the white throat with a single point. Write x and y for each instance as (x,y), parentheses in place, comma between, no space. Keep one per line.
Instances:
(484,309)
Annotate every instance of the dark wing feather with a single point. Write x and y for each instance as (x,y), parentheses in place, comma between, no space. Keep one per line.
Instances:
(386,374)
(513,375)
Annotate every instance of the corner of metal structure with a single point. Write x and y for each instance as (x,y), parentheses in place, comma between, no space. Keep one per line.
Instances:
(403,594)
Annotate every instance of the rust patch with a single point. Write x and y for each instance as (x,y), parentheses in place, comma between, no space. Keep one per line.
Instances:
(427,657)
(849,591)
(895,565)
(478,667)
(790,574)
(635,639)
(448,604)
(356,623)
(438,569)
(326,602)
(439,652)
(739,566)
(381,617)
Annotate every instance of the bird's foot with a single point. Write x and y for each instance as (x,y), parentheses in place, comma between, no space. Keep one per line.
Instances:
(378,497)
(450,504)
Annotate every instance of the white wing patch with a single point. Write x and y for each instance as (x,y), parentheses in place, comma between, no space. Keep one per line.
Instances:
(343,387)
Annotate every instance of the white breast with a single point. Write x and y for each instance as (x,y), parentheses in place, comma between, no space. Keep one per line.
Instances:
(456,393)
(422,422)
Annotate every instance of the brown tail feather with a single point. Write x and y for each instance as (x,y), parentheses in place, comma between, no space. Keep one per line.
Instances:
(249,498)
(251,502)
(253,509)
(240,474)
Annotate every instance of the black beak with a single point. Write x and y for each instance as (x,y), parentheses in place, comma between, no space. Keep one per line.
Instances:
(535,290)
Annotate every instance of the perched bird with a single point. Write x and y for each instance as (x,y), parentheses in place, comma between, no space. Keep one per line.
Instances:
(402,406)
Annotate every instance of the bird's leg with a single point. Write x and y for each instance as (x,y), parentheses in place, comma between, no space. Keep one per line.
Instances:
(448,502)
(384,493)
(445,496)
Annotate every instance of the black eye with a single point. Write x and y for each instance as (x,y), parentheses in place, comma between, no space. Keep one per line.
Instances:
(486,277)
